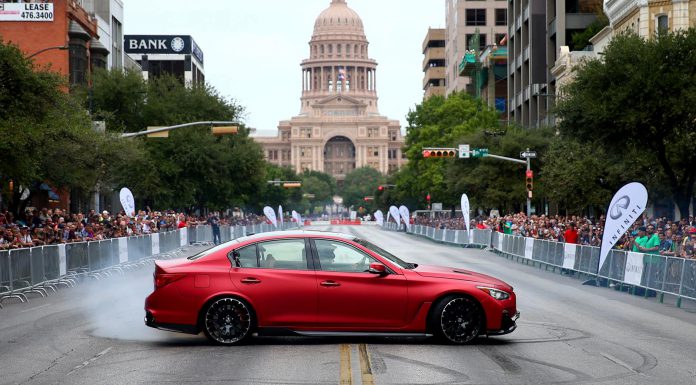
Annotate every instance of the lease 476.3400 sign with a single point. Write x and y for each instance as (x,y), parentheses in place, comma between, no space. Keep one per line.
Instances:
(26,11)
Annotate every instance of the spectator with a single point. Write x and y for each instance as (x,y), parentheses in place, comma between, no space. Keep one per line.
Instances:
(571,234)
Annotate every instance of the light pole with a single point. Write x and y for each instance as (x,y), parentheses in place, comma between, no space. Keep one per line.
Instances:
(60,47)
(169,128)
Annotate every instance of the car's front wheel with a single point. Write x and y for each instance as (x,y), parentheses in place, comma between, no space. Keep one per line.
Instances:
(457,319)
(227,321)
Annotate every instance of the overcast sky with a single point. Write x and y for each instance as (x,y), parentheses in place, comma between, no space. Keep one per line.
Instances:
(253,48)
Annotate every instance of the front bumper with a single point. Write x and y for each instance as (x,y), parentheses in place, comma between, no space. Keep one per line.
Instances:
(508,324)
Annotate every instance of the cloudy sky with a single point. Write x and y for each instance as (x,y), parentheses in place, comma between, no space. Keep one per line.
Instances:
(253,48)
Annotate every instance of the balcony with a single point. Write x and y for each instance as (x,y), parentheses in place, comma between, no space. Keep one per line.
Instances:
(436,53)
(433,73)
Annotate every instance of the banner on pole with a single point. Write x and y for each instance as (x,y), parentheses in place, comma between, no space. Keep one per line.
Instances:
(270,214)
(395,214)
(127,201)
(280,215)
(405,216)
(465,210)
(625,208)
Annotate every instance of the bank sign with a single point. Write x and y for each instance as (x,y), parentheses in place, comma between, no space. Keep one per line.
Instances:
(162,44)
(26,11)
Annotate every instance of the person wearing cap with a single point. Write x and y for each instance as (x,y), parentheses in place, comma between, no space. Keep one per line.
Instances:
(689,249)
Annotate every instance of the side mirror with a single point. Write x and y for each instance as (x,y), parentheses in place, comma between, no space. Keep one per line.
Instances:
(377,268)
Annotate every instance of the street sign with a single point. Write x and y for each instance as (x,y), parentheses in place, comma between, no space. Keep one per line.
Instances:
(528,154)
(464,151)
(479,152)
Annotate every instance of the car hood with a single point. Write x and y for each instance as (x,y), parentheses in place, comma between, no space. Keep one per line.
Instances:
(460,274)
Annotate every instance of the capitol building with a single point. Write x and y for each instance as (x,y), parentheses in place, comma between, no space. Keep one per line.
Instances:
(339,127)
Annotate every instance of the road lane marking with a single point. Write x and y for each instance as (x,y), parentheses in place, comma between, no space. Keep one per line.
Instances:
(99,355)
(346,377)
(365,366)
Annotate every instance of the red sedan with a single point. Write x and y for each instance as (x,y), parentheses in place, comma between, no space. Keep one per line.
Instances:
(314,283)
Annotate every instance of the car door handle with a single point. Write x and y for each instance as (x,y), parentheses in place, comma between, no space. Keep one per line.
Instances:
(330,283)
(250,280)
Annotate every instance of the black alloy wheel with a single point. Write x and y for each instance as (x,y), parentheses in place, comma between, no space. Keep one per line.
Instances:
(458,319)
(227,321)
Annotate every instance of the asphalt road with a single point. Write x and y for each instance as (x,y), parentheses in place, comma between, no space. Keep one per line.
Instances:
(568,334)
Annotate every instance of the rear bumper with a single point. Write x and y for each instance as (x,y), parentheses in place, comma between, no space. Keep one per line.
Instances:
(508,324)
(181,328)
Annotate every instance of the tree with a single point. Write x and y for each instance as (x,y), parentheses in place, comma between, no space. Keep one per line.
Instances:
(438,122)
(638,101)
(191,169)
(360,183)
(47,135)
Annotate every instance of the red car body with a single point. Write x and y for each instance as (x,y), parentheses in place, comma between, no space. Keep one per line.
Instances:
(395,299)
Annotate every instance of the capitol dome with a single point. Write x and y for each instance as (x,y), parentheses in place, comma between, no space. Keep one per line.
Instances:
(338,19)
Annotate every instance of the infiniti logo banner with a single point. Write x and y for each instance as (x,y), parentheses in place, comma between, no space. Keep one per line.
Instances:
(625,208)
(619,207)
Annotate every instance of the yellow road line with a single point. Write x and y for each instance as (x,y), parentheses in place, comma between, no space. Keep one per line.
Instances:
(345,373)
(365,367)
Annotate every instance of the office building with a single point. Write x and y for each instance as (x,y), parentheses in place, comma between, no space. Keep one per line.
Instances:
(434,63)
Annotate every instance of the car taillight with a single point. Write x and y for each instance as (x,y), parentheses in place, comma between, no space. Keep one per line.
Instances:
(162,280)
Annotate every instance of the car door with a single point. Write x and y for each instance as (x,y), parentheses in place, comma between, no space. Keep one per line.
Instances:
(278,278)
(351,297)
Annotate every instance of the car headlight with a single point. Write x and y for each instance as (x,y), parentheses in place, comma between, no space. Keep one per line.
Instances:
(495,293)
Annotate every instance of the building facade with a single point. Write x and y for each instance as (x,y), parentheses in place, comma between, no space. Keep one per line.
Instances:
(176,55)
(647,17)
(109,15)
(339,127)
(464,19)
(434,63)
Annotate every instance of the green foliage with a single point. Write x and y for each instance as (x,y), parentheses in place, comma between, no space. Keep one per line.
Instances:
(191,168)
(360,183)
(582,39)
(47,135)
(437,122)
(638,102)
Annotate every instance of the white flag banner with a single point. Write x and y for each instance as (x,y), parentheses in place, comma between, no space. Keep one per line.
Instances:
(528,247)
(405,216)
(465,210)
(569,255)
(127,201)
(625,208)
(353,215)
(388,216)
(634,268)
(395,214)
(379,217)
(270,214)
(294,217)
(280,215)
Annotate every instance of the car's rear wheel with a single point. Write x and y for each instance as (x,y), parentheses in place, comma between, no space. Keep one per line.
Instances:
(457,319)
(227,321)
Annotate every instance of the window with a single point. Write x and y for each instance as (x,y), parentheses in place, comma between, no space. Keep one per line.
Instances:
(338,256)
(306,132)
(470,39)
(392,153)
(392,133)
(475,17)
(285,136)
(372,132)
(501,16)
(499,39)
(287,254)
(78,64)
(246,256)
(116,44)
(662,24)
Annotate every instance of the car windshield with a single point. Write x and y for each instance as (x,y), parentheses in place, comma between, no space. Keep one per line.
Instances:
(385,254)
(212,250)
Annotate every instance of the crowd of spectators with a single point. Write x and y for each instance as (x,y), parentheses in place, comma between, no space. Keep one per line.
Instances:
(661,236)
(53,226)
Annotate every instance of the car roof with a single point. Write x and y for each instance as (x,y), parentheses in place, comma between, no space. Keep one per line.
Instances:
(295,233)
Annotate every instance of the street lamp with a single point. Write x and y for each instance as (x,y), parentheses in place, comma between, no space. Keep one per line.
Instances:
(61,47)
(169,128)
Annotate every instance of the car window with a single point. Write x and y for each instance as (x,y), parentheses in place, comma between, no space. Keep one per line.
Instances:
(289,254)
(247,256)
(338,256)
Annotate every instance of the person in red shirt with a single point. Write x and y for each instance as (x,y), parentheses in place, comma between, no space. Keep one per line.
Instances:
(571,234)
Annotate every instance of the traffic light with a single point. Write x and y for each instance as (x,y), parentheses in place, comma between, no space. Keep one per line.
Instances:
(225,130)
(440,152)
(380,188)
(369,198)
(530,177)
(292,184)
